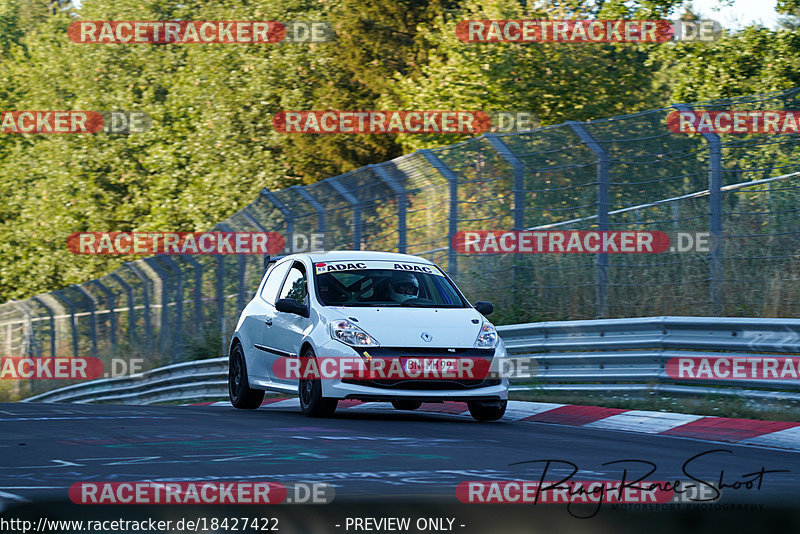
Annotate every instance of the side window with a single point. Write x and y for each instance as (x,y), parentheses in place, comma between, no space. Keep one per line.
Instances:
(274,279)
(295,286)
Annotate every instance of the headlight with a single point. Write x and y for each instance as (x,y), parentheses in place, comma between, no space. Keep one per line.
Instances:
(487,337)
(349,334)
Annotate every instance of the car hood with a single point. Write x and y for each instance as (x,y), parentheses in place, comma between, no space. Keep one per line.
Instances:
(404,327)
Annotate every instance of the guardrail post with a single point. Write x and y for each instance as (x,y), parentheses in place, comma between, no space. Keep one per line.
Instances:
(452,180)
(112,317)
(355,204)
(52,321)
(401,197)
(714,214)
(163,335)
(603,166)
(148,329)
(131,311)
(73,321)
(288,216)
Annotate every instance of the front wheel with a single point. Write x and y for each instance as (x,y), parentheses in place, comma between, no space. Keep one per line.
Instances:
(312,403)
(241,394)
(487,411)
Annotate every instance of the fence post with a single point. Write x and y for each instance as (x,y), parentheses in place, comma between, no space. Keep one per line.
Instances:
(288,216)
(319,208)
(519,202)
(131,311)
(177,331)
(92,315)
(52,321)
(163,334)
(714,214)
(112,317)
(519,178)
(242,265)
(73,321)
(28,346)
(148,329)
(220,297)
(452,228)
(255,222)
(603,165)
(197,294)
(401,196)
(356,206)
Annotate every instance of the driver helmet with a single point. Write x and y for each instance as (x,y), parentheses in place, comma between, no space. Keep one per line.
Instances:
(404,286)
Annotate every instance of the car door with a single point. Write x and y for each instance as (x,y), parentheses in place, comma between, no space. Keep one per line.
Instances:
(288,329)
(260,320)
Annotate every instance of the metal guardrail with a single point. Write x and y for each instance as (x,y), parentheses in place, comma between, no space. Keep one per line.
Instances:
(610,355)
(200,379)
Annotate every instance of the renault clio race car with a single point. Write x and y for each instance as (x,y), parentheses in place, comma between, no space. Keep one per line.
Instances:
(371,326)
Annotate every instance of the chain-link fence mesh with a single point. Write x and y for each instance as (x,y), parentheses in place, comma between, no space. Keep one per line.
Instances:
(628,172)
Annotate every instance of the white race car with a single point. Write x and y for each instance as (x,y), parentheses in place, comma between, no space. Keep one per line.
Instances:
(372,326)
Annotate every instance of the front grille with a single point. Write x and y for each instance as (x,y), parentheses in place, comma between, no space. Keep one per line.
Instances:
(396,352)
(428,385)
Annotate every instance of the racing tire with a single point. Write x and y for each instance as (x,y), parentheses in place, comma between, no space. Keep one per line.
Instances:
(241,394)
(312,403)
(487,411)
(406,404)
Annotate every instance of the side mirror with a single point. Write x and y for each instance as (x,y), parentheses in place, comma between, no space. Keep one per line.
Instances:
(484,308)
(291,306)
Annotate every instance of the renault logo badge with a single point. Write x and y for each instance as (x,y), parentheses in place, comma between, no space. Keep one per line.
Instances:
(426,336)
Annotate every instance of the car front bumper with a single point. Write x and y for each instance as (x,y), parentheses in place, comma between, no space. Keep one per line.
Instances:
(428,390)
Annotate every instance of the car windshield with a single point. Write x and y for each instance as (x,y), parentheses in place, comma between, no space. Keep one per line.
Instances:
(385,283)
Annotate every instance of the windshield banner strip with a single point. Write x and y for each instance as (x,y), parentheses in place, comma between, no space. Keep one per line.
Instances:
(336,266)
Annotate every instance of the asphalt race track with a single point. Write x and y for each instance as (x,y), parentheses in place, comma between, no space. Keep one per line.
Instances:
(44,448)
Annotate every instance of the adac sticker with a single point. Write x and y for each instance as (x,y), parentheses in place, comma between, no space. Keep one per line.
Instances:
(332,267)
(414,267)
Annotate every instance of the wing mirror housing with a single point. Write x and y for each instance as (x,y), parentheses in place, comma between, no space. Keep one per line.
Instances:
(291,306)
(484,308)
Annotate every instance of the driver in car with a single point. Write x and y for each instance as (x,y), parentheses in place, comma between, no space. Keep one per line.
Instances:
(405,286)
